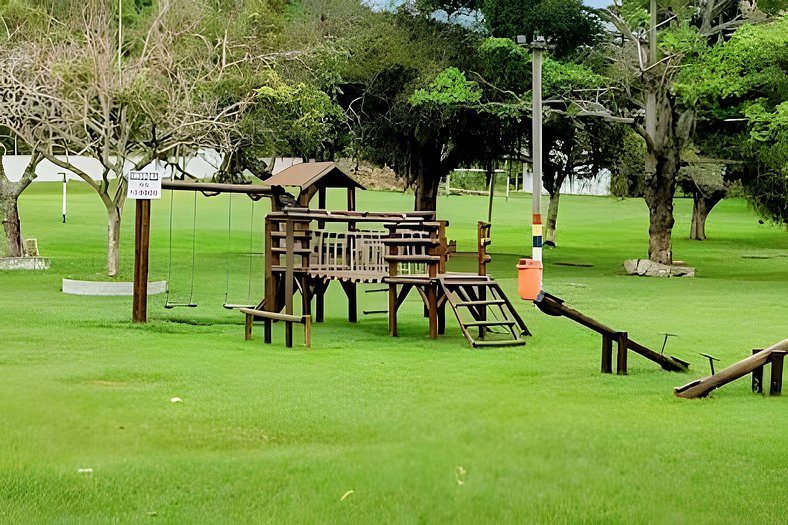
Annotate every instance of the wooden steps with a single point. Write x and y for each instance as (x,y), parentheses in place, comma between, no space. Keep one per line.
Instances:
(479,302)
(490,323)
(502,342)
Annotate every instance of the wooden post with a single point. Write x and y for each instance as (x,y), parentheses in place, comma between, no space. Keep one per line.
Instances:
(352,300)
(270,283)
(776,384)
(139,309)
(267,322)
(248,327)
(432,290)
(320,299)
(393,310)
(607,354)
(442,318)
(393,250)
(308,332)
(621,358)
(289,276)
(757,375)
(432,304)
(351,206)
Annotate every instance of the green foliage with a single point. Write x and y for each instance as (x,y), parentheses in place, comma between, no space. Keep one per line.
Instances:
(304,121)
(422,99)
(507,65)
(627,172)
(682,39)
(561,78)
(29,21)
(752,62)
(747,78)
(768,126)
(635,13)
(566,23)
(768,146)
(450,87)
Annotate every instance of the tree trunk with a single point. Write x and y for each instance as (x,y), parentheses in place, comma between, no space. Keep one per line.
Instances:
(11,245)
(113,240)
(426,193)
(659,189)
(426,178)
(552,217)
(666,134)
(701,208)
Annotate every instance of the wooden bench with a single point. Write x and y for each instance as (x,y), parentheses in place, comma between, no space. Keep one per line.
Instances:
(269,317)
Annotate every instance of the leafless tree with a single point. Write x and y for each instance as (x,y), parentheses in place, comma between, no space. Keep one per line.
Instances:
(78,98)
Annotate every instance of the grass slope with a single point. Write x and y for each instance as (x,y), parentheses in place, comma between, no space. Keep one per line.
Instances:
(420,431)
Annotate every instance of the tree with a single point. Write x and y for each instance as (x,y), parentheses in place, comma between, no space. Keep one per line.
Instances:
(23,24)
(567,24)
(654,60)
(418,103)
(127,114)
(740,89)
(577,146)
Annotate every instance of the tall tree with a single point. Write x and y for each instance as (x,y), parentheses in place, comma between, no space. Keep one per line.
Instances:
(24,25)
(414,104)
(127,113)
(654,59)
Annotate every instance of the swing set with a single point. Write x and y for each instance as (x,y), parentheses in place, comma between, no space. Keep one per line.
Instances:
(169,303)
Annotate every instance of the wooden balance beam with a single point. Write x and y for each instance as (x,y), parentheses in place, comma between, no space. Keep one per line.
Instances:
(269,317)
(552,305)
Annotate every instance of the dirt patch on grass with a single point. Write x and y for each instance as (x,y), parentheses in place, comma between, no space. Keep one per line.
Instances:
(370,176)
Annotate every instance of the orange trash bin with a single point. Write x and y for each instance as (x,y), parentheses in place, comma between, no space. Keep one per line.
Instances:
(529,279)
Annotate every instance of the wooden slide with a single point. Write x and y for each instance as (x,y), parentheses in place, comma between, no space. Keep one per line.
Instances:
(702,387)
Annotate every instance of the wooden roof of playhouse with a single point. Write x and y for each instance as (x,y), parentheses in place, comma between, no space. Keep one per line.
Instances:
(313,178)
(320,174)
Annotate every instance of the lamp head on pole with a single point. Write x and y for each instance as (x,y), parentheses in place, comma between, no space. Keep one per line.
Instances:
(538,42)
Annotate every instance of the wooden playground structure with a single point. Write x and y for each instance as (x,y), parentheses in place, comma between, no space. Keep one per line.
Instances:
(307,249)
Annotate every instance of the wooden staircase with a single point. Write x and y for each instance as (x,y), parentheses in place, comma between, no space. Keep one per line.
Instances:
(480,305)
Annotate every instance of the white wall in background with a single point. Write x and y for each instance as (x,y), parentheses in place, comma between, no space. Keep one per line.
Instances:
(202,165)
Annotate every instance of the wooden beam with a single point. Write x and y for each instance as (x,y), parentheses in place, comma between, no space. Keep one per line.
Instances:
(139,308)
(214,187)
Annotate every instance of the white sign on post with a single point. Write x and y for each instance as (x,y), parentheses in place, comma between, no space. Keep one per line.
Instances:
(144,185)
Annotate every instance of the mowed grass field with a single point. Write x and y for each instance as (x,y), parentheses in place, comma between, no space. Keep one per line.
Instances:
(365,428)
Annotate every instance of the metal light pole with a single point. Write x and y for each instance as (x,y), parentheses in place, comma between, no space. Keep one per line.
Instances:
(538,46)
(120,33)
(65,183)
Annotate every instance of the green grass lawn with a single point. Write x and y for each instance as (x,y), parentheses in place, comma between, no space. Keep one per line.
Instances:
(418,430)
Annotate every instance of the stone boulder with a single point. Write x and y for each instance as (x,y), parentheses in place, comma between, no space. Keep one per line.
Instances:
(647,268)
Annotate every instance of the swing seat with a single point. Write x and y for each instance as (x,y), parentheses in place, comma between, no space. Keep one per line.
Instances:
(170,306)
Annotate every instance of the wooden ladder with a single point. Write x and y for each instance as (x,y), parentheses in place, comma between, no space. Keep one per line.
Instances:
(479,302)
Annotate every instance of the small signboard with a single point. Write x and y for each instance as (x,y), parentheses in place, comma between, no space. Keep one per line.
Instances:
(144,185)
